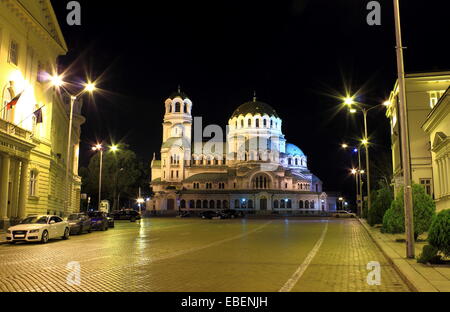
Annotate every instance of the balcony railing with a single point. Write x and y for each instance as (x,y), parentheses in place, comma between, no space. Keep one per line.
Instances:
(11,129)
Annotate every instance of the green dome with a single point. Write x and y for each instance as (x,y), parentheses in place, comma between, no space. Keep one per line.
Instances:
(255,107)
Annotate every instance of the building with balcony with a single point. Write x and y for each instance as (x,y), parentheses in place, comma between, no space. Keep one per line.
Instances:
(251,168)
(33,117)
(437,127)
(423,91)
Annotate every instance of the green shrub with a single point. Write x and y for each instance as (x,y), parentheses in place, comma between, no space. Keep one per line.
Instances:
(381,202)
(424,209)
(429,254)
(439,233)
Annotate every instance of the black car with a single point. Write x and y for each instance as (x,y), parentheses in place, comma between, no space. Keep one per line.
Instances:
(79,223)
(99,220)
(184,214)
(209,214)
(230,214)
(127,214)
(110,220)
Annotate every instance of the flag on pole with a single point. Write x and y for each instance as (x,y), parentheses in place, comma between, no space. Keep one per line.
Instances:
(14,101)
(38,115)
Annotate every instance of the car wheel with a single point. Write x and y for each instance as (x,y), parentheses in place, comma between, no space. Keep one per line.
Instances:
(66,234)
(44,238)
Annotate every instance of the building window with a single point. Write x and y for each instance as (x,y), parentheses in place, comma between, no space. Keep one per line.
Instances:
(257,123)
(285,185)
(191,204)
(183,204)
(219,204)
(33,183)
(289,204)
(211,204)
(265,123)
(177,107)
(13,57)
(205,204)
(242,123)
(312,204)
(225,204)
(250,204)
(300,204)
(426,183)
(275,204)
(198,204)
(306,204)
(249,122)
(435,96)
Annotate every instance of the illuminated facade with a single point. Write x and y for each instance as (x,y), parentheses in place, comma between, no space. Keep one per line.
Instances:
(33,132)
(423,92)
(437,127)
(256,170)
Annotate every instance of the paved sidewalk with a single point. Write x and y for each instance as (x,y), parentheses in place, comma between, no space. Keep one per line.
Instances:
(421,277)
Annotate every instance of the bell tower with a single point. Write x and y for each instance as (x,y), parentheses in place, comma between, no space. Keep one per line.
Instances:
(177,128)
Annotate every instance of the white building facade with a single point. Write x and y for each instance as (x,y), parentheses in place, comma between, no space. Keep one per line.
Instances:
(256,170)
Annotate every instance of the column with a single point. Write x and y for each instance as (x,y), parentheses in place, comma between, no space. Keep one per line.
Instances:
(446,175)
(4,185)
(23,188)
(15,188)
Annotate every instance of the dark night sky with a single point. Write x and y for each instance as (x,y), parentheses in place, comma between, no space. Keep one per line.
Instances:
(298,55)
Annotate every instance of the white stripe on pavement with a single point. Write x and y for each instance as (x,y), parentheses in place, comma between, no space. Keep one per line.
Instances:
(302,268)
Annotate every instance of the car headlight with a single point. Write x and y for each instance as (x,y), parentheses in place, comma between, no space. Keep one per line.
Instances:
(34,231)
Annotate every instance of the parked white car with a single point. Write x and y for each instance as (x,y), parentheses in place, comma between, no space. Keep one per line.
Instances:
(343,214)
(38,228)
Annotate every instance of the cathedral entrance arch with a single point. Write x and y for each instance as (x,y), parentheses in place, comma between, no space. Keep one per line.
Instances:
(263,203)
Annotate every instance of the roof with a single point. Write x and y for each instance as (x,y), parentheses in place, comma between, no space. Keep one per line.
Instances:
(178,142)
(179,94)
(207,177)
(255,107)
(293,150)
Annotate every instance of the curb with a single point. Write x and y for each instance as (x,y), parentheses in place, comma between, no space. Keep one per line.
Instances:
(415,281)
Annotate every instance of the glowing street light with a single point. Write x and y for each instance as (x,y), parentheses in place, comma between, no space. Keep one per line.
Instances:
(354,171)
(364,142)
(344,146)
(114,148)
(387,103)
(57,81)
(349,101)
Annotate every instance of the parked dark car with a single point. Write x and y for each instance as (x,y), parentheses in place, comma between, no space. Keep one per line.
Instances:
(184,214)
(79,223)
(99,220)
(231,214)
(127,214)
(209,214)
(110,220)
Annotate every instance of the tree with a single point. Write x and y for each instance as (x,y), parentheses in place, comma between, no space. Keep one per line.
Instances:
(424,210)
(122,175)
(381,202)
(439,233)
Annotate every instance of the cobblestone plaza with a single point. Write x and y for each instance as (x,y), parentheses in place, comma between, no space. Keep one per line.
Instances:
(170,254)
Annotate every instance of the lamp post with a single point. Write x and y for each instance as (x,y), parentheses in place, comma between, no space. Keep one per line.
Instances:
(99,148)
(403,120)
(358,177)
(353,108)
(57,81)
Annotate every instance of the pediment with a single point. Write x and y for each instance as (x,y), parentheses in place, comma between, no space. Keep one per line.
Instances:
(439,140)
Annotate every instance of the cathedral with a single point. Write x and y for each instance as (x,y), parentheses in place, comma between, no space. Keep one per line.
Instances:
(256,170)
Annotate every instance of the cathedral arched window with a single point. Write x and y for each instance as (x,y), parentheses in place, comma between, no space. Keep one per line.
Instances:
(211,204)
(182,203)
(257,123)
(225,204)
(275,204)
(205,204)
(242,123)
(289,204)
(249,123)
(300,204)
(306,204)
(296,162)
(191,204)
(219,204)
(261,181)
(177,107)
(282,204)
(198,204)
(312,204)
(264,123)
(271,123)
(250,204)
(236,204)
(289,161)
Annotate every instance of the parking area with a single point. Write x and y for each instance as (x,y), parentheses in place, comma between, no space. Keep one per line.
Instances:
(191,254)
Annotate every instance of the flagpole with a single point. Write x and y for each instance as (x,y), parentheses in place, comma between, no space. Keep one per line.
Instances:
(14,126)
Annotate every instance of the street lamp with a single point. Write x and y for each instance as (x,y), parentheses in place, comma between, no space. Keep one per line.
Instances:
(358,176)
(99,148)
(58,82)
(353,108)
